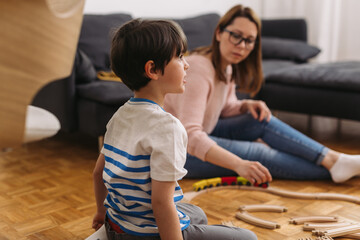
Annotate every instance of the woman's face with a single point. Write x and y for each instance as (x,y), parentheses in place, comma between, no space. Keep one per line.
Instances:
(237,41)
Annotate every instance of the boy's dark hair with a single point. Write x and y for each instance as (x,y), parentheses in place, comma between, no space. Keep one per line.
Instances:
(139,41)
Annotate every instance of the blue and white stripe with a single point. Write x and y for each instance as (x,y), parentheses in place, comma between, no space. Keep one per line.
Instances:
(127,178)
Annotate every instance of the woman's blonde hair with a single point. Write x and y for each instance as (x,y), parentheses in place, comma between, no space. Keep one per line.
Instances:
(247,74)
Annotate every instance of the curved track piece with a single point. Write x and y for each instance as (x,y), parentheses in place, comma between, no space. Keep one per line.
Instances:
(318,238)
(323,196)
(317,226)
(352,236)
(246,217)
(188,196)
(301,220)
(263,208)
(336,232)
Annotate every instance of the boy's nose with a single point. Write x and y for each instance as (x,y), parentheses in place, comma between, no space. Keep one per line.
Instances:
(186,65)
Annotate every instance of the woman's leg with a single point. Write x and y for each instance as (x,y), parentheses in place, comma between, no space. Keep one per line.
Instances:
(277,134)
(200,169)
(284,138)
(281,165)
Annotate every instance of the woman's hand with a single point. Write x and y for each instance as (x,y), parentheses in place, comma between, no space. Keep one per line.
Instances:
(253,171)
(258,109)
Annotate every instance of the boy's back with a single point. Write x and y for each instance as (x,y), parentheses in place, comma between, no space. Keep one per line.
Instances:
(136,151)
(144,151)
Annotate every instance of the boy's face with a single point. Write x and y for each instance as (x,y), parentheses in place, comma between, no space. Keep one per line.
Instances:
(173,79)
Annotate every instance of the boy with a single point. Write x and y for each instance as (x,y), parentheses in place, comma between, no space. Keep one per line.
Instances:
(145,147)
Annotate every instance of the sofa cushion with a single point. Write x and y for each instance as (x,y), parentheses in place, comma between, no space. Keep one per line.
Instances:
(271,65)
(295,28)
(289,49)
(84,68)
(105,92)
(199,30)
(95,37)
(338,75)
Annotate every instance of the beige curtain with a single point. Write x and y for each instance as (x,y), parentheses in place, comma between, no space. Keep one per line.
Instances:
(333,24)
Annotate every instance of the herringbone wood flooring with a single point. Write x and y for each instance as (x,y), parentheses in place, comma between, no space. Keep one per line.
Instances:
(46,192)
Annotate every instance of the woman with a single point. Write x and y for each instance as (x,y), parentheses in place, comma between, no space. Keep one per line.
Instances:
(223,131)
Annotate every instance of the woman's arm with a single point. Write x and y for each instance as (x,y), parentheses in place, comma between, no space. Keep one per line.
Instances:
(162,200)
(253,171)
(258,109)
(191,106)
(100,192)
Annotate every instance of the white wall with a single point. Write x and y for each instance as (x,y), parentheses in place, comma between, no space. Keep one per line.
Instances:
(332,24)
(165,8)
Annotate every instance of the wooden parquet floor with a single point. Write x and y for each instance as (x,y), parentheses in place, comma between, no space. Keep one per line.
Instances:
(46,192)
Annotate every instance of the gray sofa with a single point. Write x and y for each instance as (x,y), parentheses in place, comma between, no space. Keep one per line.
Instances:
(83,103)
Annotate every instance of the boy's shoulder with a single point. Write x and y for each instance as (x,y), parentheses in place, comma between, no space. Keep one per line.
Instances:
(143,110)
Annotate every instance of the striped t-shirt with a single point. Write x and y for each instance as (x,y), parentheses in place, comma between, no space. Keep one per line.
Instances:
(142,142)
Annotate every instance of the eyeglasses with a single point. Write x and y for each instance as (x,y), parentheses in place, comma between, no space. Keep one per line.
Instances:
(236,39)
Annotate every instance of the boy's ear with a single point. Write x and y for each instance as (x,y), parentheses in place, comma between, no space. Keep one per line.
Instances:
(150,70)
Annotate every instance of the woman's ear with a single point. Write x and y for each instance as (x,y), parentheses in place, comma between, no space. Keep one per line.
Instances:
(150,70)
(217,32)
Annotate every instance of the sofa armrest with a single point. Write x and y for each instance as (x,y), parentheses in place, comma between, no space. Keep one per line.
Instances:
(59,97)
(285,28)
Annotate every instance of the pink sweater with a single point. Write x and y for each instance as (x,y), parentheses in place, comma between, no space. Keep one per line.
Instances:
(205,100)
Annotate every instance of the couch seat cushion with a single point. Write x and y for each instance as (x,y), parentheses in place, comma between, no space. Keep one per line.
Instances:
(96,34)
(105,92)
(337,75)
(272,65)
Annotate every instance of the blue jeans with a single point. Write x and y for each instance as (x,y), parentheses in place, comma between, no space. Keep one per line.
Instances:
(288,154)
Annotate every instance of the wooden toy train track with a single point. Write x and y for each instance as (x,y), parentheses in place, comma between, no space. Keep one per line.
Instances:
(214,184)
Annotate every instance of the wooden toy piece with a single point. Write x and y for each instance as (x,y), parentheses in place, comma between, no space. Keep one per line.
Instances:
(336,232)
(324,238)
(317,226)
(263,208)
(323,196)
(352,236)
(225,181)
(246,217)
(301,220)
(318,238)
(188,196)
